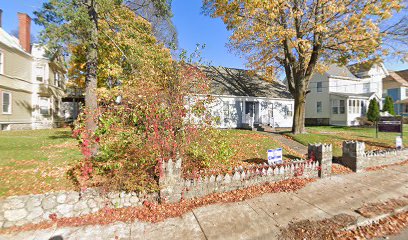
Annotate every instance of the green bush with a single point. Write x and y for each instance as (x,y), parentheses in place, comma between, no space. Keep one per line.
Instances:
(373,113)
(389,105)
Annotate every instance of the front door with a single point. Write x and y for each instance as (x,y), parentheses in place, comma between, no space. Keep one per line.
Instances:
(256,112)
(249,109)
(252,111)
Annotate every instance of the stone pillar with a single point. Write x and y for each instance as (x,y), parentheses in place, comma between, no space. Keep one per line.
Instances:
(353,152)
(323,154)
(170,181)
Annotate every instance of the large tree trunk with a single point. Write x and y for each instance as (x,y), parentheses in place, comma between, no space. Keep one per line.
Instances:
(299,112)
(91,103)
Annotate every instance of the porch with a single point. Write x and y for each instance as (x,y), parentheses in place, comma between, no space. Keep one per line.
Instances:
(347,108)
(251,112)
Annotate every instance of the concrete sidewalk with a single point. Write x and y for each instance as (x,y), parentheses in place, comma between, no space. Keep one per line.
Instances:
(257,218)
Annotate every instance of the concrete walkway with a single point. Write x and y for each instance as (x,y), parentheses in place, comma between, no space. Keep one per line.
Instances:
(295,146)
(257,218)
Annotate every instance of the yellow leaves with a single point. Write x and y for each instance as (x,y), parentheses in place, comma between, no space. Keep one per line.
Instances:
(320,28)
(346,27)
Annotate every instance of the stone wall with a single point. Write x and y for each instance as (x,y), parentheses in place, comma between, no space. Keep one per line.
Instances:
(20,210)
(357,159)
(174,187)
(177,188)
(323,154)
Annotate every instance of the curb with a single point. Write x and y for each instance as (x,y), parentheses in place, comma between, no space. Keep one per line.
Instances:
(362,221)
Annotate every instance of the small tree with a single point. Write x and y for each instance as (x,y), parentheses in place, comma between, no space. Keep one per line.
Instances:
(389,105)
(373,113)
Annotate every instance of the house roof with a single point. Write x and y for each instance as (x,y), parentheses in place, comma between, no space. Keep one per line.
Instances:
(10,41)
(404,101)
(339,71)
(360,95)
(362,69)
(239,82)
(401,77)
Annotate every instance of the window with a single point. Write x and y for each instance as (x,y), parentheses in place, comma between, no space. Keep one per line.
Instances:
(289,110)
(335,107)
(318,107)
(363,109)
(350,106)
(56,80)
(366,87)
(57,106)
(406,92)
(225,109)
(39,71)
(1,63)
(342,107)
(44,105)
(319,86)
(6,100)
(338,106)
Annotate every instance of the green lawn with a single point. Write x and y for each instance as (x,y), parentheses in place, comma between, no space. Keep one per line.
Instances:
(35,161)
(336,135)
(253,146)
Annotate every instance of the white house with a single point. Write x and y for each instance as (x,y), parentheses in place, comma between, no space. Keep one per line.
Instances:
(341,95)
(245,100)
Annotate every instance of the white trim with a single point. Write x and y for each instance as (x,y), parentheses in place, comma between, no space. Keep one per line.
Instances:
(1,62)
(244,97)
(15,122)
(10,103)
(345,78)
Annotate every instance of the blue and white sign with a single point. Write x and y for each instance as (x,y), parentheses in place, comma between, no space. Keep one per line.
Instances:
(275,156)
(398,142)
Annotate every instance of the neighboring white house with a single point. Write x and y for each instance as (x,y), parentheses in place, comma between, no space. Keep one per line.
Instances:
(48,89)
(341,95)
(245,100)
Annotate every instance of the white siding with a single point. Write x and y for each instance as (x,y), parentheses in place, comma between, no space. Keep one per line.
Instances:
(231,111)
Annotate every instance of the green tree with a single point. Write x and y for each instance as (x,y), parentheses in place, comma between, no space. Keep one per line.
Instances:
(373,113)
(70,23)
(300,37)
(389,105)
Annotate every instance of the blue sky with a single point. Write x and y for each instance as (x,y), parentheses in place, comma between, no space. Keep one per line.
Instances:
(192,28)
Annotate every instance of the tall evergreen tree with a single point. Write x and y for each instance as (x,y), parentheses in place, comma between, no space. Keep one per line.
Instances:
(373,113)
(389,105)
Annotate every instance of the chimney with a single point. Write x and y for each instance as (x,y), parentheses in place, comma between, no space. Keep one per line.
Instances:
(24,31)
(1,17)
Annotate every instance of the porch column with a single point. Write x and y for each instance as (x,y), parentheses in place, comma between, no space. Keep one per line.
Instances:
(243,112)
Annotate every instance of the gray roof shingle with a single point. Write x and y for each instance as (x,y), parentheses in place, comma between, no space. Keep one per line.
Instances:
(238,82)
(339,71)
